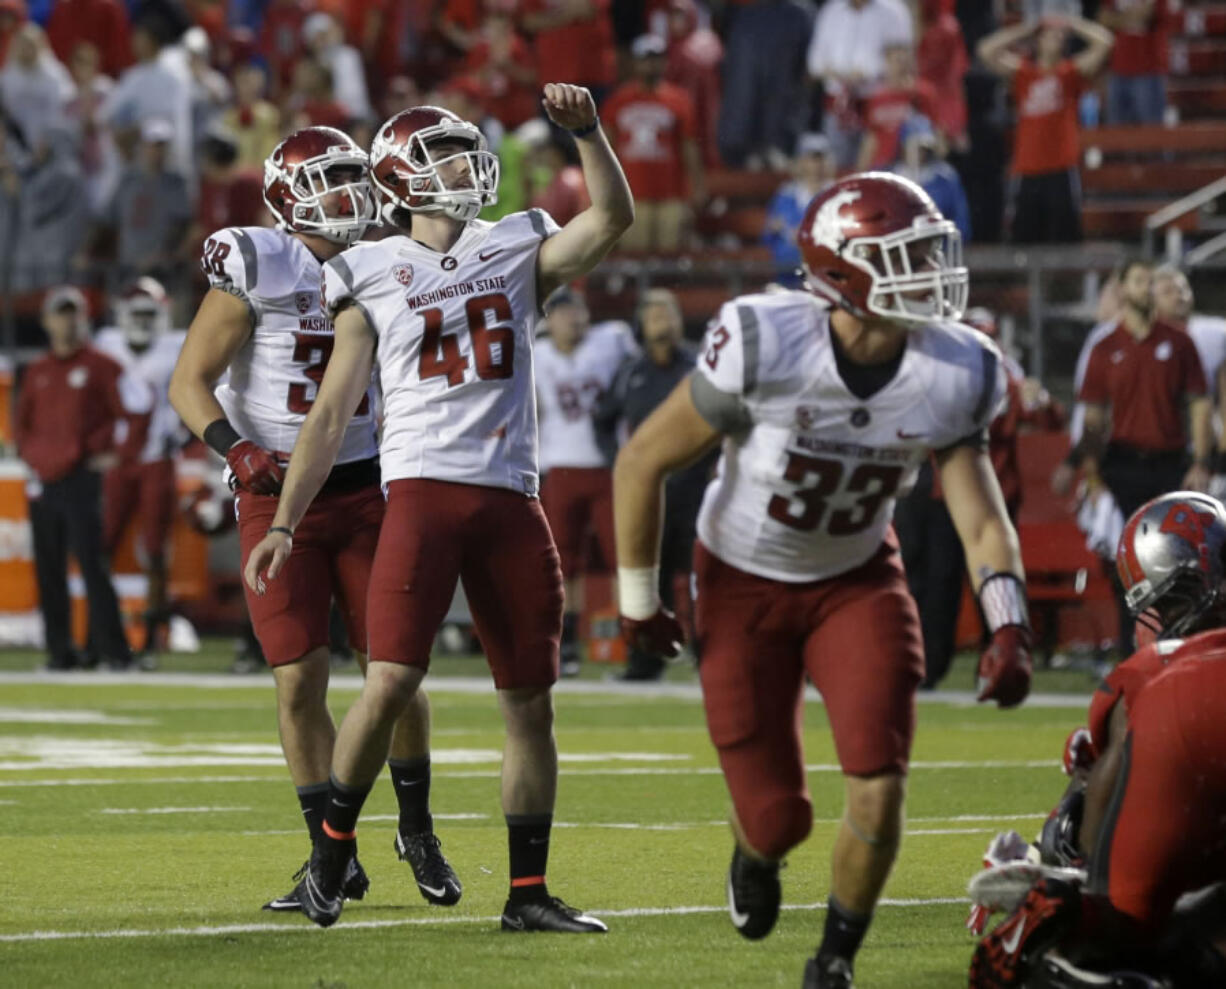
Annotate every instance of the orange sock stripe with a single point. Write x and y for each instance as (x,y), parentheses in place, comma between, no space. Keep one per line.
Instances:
(338,835)
(528,881)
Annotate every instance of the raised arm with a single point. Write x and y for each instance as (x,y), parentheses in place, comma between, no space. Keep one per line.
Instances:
(580,245)
(994,52)
(344,383)
(1099,42)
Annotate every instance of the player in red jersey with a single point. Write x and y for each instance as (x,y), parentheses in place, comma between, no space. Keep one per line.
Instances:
(1145,812)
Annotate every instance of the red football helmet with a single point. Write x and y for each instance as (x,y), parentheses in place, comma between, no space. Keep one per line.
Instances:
(1170,562)
(306,168)
(875,244)
(143,312)
(406,174)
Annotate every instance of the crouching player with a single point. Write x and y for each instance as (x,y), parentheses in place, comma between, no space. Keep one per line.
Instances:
(1145,815)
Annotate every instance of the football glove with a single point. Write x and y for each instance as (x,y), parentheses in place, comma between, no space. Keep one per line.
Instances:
(254,469)
(659,635)
(1079,754)
(1004,667)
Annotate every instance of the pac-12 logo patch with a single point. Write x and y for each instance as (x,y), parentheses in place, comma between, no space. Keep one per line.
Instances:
(403,273)
(303,301)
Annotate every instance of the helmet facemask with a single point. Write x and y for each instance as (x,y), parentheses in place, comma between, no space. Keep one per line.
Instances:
(424,189)
(1181,604)
(338,173)
(917,273)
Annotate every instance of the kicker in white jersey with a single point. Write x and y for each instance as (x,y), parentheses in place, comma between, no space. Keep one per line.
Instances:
(810,472)
(152,368)
(272,381)
(567,387)
(454,350)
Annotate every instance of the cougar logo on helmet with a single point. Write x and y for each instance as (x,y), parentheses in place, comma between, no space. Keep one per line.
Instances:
(828,224)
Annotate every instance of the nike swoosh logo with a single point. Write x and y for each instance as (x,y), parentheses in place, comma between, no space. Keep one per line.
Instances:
(739,919)
(903,435)
(513,922)
(318,896)
(411,783)
(431,890)
(483,256)
(1010,943)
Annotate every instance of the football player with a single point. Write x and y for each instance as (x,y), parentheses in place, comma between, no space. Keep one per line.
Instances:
(143,485)
(1144,812)
(262,326)
(826,400)
(446,308)
(575,365)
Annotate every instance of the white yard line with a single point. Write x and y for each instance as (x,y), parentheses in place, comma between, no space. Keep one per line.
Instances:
(474,685)
(172,810)
(302,925)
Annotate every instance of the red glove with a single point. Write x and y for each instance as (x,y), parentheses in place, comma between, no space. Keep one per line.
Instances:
(254,468)
(659,635)
(1004,667)
(1079,751)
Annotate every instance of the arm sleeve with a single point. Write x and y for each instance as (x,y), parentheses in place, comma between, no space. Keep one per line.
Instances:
(1094,384)
(231,263)
(727,369)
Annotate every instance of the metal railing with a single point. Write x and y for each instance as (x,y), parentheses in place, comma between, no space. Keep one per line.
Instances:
(1164,218)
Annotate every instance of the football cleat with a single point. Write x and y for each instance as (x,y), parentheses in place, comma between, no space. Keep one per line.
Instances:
(549,914)
(753,895)
(832,973)
(1006,957)
(1055,971)
(319,893)
(353,888)
(435,877)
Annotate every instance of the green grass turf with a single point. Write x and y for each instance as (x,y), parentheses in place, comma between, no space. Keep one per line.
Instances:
(173,896)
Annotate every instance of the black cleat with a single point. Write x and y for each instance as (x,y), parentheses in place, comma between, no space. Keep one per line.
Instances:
(753,895)
(549,914)
(435,877)
(354,888)
(320,893)
(832,973)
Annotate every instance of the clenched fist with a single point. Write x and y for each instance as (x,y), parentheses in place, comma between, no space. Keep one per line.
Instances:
(254,468)
(659,635)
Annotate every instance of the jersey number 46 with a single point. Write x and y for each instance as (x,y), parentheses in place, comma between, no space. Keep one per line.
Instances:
(493,346)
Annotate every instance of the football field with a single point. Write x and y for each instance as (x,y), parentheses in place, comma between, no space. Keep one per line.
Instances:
(146,817)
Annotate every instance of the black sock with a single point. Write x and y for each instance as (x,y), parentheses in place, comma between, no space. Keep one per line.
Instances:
(314,801)
(411,778)
(528,838)
(844,931)
(344,805)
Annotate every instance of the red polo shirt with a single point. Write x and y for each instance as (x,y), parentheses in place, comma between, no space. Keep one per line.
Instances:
(66,411)
(1144,382)
(1141,53)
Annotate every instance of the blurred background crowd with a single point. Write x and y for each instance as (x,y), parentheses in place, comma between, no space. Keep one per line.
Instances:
(129,131)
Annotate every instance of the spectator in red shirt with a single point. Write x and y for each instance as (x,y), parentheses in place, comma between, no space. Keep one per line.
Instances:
(501,63)
(459,21)
(899,96)
(651,124)
(942,62)
(564,194)
(101,22)
(695,55)
(573,42)
(64,427)
(1047,195)
(281,40)
(1136,89)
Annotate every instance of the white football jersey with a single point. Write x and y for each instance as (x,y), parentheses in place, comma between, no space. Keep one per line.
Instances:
(567,387)
(153,368)
(810,472)
(273,379)
(454,348)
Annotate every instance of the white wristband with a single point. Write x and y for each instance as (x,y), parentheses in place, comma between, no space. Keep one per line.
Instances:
(638,591)
(1003,599)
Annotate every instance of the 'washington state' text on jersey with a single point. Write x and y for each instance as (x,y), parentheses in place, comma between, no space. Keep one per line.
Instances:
(274,377)
(567,387)
(454,349)
(809,472)
(153,368)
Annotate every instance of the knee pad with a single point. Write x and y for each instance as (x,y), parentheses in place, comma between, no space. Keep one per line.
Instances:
(774,825)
